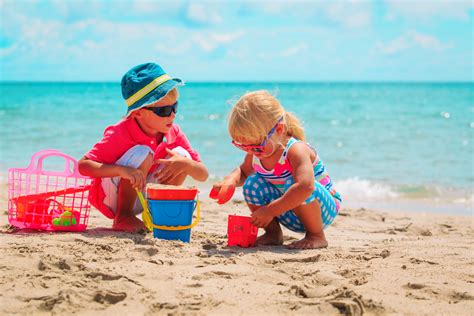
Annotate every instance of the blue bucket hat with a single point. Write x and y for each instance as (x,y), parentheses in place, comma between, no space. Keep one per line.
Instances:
(145,84)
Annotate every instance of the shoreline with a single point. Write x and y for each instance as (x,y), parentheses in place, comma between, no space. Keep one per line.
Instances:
(431,205)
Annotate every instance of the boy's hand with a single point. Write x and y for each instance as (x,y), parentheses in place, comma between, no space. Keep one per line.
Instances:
(261,217)
(222,191)
(174,166)
(135,176)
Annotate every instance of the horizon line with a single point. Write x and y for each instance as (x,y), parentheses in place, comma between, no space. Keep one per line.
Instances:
(253,81)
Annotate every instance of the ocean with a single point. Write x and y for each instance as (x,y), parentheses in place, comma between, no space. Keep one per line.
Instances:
(404,146)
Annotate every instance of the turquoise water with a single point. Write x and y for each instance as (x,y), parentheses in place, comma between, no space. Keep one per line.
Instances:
(380,141)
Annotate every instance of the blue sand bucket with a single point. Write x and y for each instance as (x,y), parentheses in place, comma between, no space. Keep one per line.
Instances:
(172,219)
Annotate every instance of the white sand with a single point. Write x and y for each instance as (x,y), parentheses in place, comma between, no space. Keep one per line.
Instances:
(376,263)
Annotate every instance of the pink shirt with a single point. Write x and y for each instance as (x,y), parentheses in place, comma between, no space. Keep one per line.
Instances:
(118,139)
(127,133)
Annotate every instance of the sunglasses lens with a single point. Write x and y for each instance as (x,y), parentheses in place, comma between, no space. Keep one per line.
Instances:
(165,111)
(247,148)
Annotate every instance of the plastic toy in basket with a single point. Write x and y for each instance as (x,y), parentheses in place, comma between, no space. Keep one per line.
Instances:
(48,200)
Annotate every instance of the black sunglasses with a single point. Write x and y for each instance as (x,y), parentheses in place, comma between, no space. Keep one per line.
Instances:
(164,111)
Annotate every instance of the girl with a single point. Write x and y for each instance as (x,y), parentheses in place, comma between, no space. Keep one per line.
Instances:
(284,180)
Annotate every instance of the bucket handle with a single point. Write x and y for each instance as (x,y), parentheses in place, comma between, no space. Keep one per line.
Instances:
(194,223)
(146,216)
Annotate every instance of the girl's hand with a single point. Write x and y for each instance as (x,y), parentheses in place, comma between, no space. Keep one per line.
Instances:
(261,217)
(135,176)
(222,191)
(174,166)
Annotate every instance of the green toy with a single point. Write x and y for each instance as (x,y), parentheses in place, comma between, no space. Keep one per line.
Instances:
(65,219)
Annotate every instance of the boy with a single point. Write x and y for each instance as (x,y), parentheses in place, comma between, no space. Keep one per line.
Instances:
(130,151)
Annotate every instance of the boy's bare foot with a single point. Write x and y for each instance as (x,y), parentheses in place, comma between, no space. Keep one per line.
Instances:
(310,241)
(270,239)
(129,224)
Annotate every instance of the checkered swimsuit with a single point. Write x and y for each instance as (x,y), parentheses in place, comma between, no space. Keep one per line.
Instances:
(264,186)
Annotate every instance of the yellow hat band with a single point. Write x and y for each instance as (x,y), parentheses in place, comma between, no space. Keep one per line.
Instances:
(147,89)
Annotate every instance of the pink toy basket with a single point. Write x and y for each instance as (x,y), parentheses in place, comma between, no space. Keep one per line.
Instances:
(48,200)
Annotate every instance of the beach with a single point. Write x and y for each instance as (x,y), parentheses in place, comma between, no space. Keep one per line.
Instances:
(377,263)
(383,91)
(402,243)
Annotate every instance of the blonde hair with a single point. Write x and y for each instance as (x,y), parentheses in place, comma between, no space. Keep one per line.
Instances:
(256,113)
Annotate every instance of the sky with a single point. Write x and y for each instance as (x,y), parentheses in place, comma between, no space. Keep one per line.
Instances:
(386,40)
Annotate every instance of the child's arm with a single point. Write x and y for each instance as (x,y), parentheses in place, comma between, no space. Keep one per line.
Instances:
(177,164)
(238,176)
(96,169)
(198,171)
(303,175)
(223,191)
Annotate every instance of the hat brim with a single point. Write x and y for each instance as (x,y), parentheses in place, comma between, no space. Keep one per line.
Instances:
(156,94)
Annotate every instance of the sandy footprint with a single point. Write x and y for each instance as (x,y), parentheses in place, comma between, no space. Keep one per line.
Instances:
(109,297)
(422,291)
(196,302)
(349,302)
(213,274)
(355,277)
(167,307)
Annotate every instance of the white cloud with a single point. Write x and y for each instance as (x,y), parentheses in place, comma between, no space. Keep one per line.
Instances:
(75,8)
(392,47)
(210,41)
(303,9)
(39,30)
(423,9)
(426,41)
(177,48)
(351,14)
(294,50)
(149,7)
(57,42)
(203,14)
(8,50)
(411,39)
(240,54)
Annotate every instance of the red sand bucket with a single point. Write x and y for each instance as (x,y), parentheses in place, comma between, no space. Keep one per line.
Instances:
(168,211)
(240,232)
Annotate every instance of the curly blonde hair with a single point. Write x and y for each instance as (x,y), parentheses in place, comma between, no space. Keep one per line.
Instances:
(256,113)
